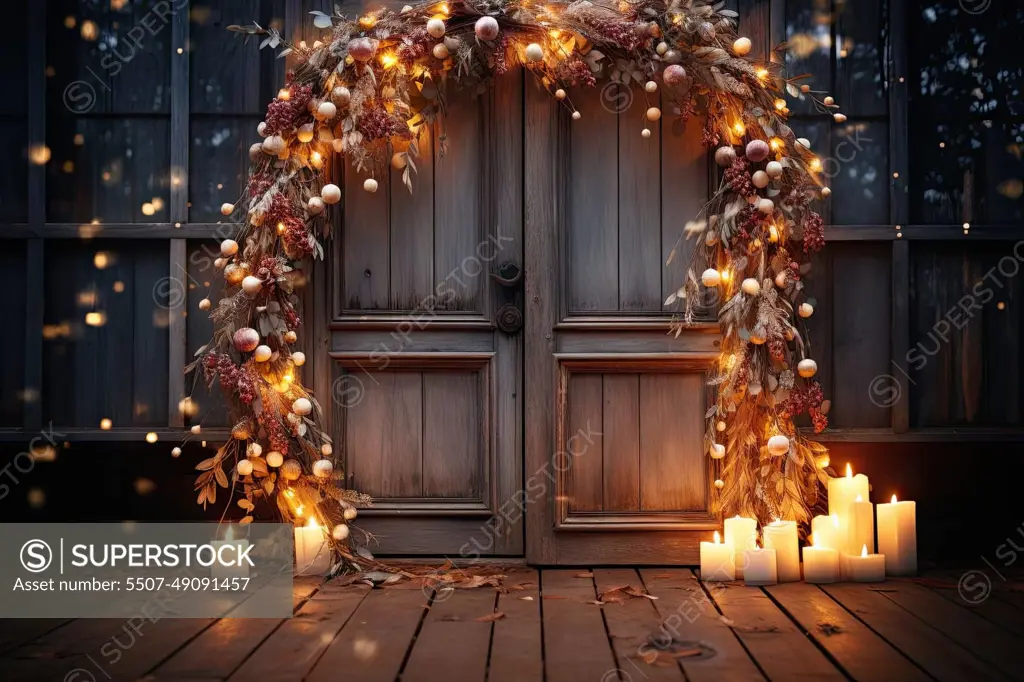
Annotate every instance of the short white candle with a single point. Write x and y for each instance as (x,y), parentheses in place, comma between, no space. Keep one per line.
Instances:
(897,536)
(312,553)
(761,567)
(717,561)
(862,525)
(866,568)
(740,534)
(828,531)
(821,564)
(783,538)
(219,571)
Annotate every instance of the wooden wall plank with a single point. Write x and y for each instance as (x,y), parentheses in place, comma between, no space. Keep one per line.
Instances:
(155,395)
(412,231)
(458,190)
(585,476)
(570,626)
(14,399)
(383,435)
(621,429)
(35,251)
(365,244)
(672,461)
(639,206)
(454,423)
(684,190)
(592,259)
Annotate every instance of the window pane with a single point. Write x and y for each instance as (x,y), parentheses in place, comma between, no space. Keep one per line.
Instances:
(859,172)
(229,74)
(861,34)
(13,118)
(219,163)
(809,36)
(966,114)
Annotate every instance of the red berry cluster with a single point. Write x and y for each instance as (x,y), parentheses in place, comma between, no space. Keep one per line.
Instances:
(298,241)
(574,71)
(709,136)
(819,420)
(269,269)
(232,377)
(277,434)
(501,55)
(279,211)
(777,348)
(807,398)
(291,318)
(624,34)
(737,177)
(378,124)
(415,46)
(259,183)
(814,233)
(286,115)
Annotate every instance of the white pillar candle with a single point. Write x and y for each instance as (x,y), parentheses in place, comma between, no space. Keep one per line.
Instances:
(865,568)
(828,531)
(740,534)
(783,538)
(862,525)
(841,494)
(897,536)
(312,552)
(219,571)
(821,564)
(761,567)
(717,561)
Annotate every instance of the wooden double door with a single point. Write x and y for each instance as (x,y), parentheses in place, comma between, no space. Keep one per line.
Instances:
(494,343)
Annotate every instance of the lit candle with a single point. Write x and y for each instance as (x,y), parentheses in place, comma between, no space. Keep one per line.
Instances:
(862,525)
(761,567)
(312,554)
(828,531)
(841,494)
(740,534)
(897,536)
(782,537)
(821,564)
(717,561)
(233,568)
(866,568)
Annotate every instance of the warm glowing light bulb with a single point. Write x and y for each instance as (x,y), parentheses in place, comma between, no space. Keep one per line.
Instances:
(284,94)
(762,73)
(289,377)
(776,144)
(289,493)
(894,498)
(151,437)
(443,8)
(105,424)
(280,228)
(864,550)
(816,165)
(367,21)
(780,104)
(739,128)
(312,523)
(388,60)
(718,538)
(849,470)
(725,275)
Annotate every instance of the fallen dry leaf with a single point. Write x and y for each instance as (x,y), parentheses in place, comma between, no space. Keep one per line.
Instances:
(688,653)
(828,629)
(727,621)
(586,574)
(634,592)
(526,598)
(490,617)
(596,602)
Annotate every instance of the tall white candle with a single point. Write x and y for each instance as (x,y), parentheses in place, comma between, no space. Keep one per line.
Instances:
(219,571)
(841,494)
(828,531)
(783,538)
(312,552)
(717,561)
(862,525)
(864,568)
(761,567)
(740,534)
(897,536)
(821,564)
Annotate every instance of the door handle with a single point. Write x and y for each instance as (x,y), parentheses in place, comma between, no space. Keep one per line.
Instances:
(509,318)
(509,274)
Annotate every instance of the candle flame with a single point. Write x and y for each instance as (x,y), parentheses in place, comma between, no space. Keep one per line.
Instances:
(849,471)
(864,550)
(718,538)
(313,524)
(859,499)
(835,520)
(894,498)
(230,535)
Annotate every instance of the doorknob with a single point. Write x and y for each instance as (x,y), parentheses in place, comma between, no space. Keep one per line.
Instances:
(509,274)
(510,318)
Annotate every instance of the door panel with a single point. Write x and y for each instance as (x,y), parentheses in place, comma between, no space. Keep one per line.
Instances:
(427,389)
(615,405)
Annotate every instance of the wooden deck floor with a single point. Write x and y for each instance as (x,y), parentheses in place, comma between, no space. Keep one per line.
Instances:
(654,624)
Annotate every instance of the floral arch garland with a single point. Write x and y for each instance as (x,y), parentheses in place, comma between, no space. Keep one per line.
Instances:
(365,91)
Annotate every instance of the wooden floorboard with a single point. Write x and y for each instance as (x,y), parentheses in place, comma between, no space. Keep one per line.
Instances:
(516,653)
(454,641)
(294,648)
(632,624)
(983,638)
(689,615)
(779,646)
(573,626)
(942,657)
(374,642)
(15,632)
(861,653)
(990,606)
